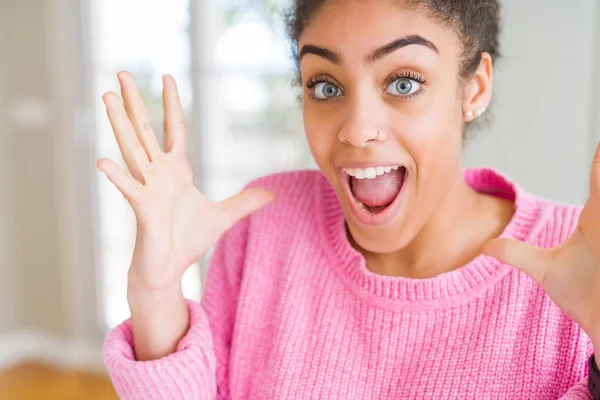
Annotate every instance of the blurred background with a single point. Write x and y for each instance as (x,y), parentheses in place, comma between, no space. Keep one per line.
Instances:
(66,234)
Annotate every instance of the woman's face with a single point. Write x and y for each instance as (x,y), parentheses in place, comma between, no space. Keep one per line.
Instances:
(381,89)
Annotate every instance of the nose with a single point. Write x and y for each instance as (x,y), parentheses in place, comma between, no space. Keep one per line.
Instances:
(363,124)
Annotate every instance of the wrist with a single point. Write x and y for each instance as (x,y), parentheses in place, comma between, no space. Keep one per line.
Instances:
(137,282)
(139,296)
(159,319)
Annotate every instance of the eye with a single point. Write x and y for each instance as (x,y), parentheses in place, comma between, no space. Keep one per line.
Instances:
(326,90)
(403,87)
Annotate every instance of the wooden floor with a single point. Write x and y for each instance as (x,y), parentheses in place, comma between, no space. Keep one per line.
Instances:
(40,382)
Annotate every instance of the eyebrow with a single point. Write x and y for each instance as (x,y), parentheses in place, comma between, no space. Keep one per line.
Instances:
(376,55)
(319,51)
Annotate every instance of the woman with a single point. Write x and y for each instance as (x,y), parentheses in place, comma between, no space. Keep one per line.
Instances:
(366,279)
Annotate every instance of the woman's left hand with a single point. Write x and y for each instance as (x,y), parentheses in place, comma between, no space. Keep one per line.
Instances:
(569,273)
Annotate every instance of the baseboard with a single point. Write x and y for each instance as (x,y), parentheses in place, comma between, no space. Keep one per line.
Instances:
(23,346)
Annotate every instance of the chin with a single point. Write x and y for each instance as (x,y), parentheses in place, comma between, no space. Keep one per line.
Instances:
(380,239)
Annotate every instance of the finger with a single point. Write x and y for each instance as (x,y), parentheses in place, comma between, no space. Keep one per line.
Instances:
(529,259)
(595,176)
(130,188)
(245,203)
(174,117)
(134,106)
(133,153)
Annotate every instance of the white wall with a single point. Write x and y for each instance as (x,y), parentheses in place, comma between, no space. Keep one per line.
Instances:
(545,98)
(32,270)
(46,254)
(41,286)
(5,220)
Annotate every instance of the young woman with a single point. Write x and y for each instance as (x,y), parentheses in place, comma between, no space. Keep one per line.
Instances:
(388,274)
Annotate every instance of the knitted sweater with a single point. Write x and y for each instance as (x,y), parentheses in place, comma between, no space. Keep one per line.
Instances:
(290,311)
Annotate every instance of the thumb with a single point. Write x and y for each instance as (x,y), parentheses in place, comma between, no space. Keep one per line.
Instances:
(595,176)
(521,255)
(244,203)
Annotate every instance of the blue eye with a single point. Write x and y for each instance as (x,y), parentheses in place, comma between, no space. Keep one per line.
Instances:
(326,90)
(403,87)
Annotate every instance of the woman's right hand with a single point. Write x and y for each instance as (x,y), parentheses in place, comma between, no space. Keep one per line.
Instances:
(176,224)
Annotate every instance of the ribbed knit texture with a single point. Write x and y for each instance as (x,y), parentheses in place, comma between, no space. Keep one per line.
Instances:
(290,311)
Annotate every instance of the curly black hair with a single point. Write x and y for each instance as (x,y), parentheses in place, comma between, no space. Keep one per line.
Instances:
(477,23)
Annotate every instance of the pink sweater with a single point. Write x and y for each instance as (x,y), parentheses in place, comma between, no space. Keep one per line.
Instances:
(290,311)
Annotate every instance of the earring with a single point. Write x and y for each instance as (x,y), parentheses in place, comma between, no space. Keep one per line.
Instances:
(470,115)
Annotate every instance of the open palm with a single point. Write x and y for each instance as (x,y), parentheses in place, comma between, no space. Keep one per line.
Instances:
(570,272)
(176,224)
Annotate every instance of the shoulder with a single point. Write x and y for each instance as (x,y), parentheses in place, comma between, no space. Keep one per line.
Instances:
(538,221)
(297,194)
(304,203)
(272,229)
(288,183)
(296,212)
(555,222)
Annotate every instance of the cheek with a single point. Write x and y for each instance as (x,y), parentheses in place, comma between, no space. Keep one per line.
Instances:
(438,156)
(432,131)
(437,135)
(321,134)
(432,135)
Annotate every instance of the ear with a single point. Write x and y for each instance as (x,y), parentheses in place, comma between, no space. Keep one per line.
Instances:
(478,91)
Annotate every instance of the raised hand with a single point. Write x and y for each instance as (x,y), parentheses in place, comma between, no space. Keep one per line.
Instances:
(176,224)
(569,273)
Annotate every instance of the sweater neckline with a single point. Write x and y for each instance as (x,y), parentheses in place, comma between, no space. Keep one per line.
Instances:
(445,290)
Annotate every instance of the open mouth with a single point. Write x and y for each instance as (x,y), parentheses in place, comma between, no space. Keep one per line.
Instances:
(375,189)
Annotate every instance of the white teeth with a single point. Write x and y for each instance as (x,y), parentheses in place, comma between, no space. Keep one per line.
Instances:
(371,172)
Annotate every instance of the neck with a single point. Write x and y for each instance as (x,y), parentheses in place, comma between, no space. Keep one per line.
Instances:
(459,227)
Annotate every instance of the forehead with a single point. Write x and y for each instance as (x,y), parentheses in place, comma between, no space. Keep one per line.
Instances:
(354,27)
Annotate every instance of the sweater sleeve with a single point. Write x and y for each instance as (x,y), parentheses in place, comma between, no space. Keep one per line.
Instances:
(580,391)
(188,373)
(198,369)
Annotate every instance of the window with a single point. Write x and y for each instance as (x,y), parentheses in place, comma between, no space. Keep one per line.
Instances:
(260,128)
(148,38)
(254,122)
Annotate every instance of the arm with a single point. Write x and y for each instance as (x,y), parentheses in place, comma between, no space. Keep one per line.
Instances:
(159,320)
(176,226)
(198,369)
(189,373)
(580,390)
